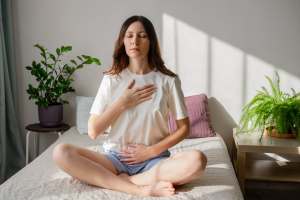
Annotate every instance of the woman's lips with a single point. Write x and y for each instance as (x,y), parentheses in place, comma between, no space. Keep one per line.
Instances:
(134,49)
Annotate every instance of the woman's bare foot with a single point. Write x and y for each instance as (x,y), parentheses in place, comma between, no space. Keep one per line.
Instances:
(161,188)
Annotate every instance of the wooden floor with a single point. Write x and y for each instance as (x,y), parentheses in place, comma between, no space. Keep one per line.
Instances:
(259,190)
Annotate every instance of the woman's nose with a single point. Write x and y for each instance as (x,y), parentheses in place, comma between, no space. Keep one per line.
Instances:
(134,41)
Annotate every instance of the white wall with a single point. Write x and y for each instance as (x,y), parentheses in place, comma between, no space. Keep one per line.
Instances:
(222,48)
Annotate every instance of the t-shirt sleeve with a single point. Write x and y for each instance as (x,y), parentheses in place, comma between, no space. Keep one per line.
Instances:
(102,97)
(176,100)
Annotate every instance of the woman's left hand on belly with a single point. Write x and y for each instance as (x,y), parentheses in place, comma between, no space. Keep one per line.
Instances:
(136,153)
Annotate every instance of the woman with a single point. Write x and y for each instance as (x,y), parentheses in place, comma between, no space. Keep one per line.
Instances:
(134,99)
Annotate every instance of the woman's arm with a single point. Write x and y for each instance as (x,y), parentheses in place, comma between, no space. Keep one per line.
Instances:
(174,138)
(131,97)
(178,109)
(98,123)
(136,153)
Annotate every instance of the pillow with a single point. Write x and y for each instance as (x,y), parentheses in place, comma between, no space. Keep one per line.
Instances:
(200,124)
(83,107)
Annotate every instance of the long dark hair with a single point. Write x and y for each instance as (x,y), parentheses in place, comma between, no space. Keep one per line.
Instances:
(121,59)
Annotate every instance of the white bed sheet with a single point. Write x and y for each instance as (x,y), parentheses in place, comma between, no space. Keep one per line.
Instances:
(42,179)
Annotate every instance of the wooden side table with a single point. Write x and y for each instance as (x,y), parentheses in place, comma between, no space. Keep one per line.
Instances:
(276,168)
(38,129)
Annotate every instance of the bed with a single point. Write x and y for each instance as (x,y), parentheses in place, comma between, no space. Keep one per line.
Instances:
(41,179)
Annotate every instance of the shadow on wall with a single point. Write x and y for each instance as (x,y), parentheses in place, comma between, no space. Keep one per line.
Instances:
(222,121)
(213,42)
(271,36)
(206,64)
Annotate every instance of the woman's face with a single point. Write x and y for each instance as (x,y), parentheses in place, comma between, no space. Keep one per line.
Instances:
(136,41)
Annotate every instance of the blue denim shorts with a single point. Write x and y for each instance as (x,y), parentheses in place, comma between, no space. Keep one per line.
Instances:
(133,169)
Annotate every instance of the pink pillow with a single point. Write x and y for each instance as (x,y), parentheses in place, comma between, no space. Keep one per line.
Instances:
(200,125)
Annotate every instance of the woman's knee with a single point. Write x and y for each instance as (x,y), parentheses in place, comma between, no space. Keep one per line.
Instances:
(197,160)
(62,152)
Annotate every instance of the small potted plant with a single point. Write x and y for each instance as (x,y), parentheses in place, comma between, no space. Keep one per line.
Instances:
(54,77)
(273,112)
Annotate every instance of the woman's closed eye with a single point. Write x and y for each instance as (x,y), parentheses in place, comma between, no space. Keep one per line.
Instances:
(141,35)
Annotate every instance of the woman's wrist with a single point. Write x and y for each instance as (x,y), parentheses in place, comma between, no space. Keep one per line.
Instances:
(152,151)
(121,104)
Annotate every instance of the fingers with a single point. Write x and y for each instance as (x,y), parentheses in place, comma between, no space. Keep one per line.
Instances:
(146,90)
(145,87)
(128,158)
(129,155)
(140,94)
(144,99)
(129,161)
(127,151)
(126,155)
(145,95)
(132,163)
(131,84)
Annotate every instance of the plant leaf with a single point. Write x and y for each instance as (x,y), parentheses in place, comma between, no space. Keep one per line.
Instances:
(52,57)
(96,61)
(74,62)
(79,58)
(58,51)
(28,68)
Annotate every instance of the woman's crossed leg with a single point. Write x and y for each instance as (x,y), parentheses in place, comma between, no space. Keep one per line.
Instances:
(178,169)
(95,169)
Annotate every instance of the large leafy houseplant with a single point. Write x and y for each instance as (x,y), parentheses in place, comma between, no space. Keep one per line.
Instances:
(53,75)
(272,110)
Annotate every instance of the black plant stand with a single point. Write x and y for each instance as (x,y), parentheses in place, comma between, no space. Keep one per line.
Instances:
(38,129)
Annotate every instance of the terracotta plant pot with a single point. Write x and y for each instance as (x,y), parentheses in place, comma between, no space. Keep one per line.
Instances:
(272,132)
(51,116)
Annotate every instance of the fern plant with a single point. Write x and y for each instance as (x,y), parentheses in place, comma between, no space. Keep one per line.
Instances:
(272,109)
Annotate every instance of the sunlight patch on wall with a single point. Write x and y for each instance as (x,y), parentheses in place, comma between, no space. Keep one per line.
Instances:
(206,64)
(227,76)
(186,49)
(192,48)
(169,42)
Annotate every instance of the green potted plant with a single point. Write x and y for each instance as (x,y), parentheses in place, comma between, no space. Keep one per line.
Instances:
(54,77)
(274,112)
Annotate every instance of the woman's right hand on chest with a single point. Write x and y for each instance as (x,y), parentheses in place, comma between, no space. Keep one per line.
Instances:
(133,96)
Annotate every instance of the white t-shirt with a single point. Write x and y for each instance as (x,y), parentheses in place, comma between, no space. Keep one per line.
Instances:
(147,122)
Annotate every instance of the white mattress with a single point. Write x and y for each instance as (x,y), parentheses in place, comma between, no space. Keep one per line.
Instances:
(41,179)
